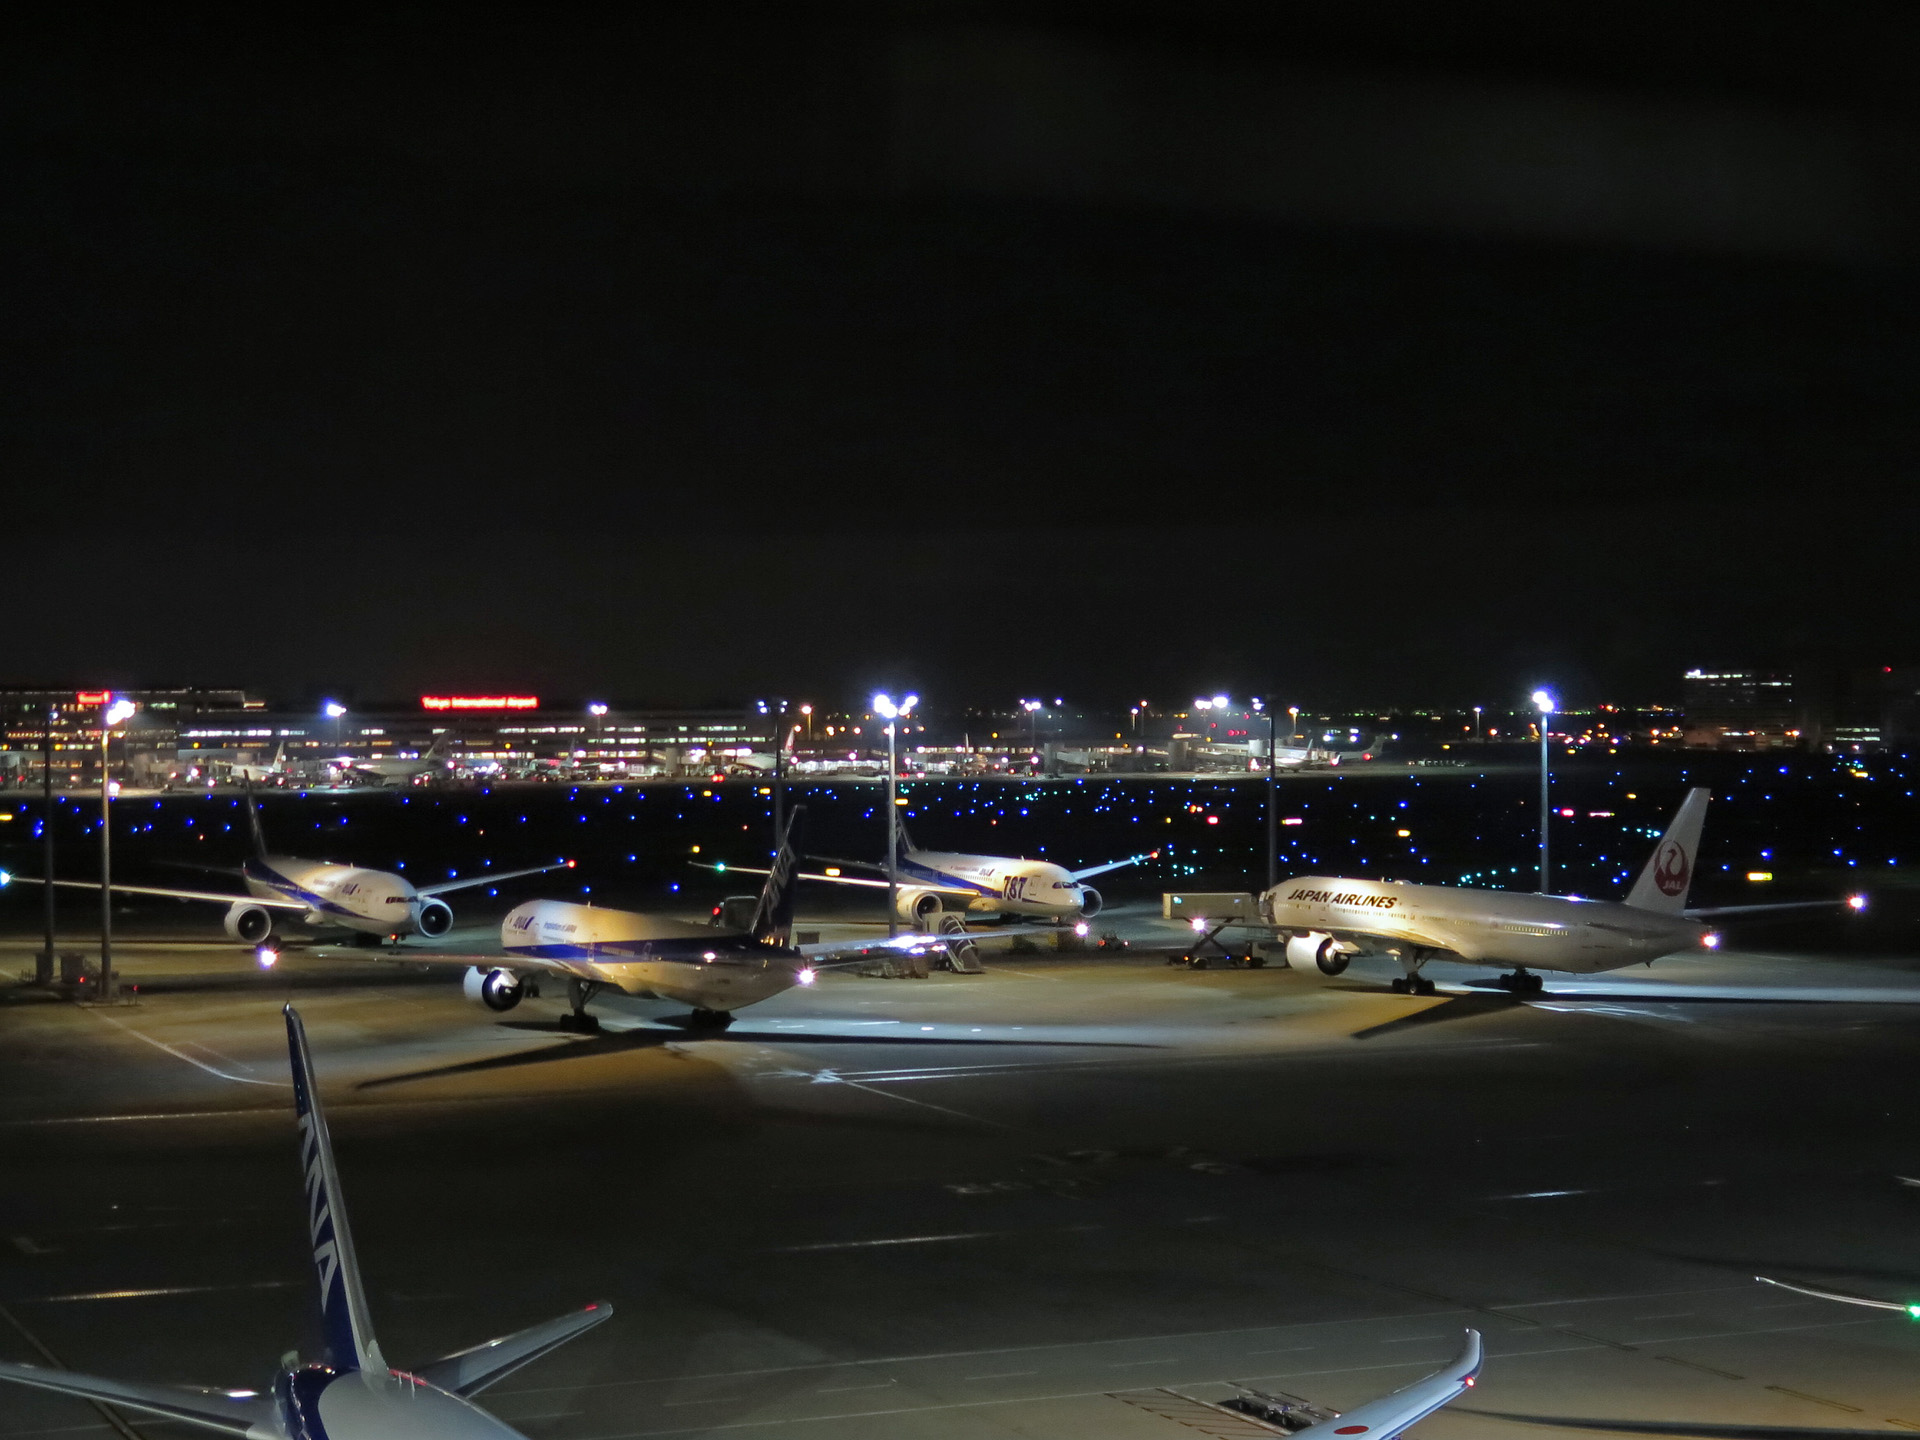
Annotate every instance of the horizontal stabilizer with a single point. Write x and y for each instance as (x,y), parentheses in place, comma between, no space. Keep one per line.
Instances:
(467,1372)
(1089,873)
(1386,1417)
(232,1412)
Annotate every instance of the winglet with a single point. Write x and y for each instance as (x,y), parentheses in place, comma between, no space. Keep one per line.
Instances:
(343,1299)
(1386,1417)
(1663,885)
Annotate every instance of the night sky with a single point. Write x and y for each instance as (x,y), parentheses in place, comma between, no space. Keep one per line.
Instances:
(1106,351)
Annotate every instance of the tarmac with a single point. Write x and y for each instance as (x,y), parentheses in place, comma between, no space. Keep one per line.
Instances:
(1048,1201)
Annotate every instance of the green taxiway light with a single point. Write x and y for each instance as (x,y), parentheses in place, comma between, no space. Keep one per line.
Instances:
(1914,1311)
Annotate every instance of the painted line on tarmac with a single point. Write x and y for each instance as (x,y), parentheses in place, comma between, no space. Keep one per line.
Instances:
(182,1055)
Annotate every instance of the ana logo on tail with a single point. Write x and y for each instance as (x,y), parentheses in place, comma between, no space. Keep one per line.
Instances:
(326,1255)
(1671,870)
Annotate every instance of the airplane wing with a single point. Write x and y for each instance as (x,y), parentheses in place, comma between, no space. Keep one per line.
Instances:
(1856,903)
(468,1372)
(231,1412)
(1110,865)
(724,869)
(1843,1297)
(490,878)
(1386,1417)
(212,897)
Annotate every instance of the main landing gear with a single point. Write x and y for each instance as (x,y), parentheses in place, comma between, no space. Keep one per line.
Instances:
(1521,982)
(1415,984)
(711,1019)
(577,1020)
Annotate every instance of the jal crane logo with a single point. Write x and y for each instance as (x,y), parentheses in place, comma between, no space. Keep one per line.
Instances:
(1672,870)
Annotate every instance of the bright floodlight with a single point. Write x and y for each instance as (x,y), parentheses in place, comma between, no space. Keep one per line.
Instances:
(334,709)
(1219,702)
(597,708)
(264,956)
(1031,705)
(804,977)
(1544,701)
(5,879)
(906,705)
(883,705)
(119,710)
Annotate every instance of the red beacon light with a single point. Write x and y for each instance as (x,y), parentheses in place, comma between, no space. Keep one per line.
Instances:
(1856,903)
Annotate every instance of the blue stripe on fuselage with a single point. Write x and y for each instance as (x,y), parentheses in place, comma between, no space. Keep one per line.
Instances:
(273,880)
(914,870)
(677,951)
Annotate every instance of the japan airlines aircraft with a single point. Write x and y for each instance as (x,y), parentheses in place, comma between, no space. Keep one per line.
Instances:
(392,770)
(250,773)
(931,881)
(1329,921)
(373,904)
(713,969)
(352,1393)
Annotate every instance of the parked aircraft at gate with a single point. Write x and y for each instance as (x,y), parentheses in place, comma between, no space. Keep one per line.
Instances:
(374,904)
(1328,920)
(353,1394)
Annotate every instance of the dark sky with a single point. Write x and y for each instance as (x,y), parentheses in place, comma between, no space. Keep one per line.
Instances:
(1396,354)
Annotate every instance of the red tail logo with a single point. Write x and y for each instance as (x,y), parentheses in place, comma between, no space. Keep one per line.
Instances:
(1671,870)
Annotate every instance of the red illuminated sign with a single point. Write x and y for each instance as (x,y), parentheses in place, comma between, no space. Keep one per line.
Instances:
(480,702)
(92,697)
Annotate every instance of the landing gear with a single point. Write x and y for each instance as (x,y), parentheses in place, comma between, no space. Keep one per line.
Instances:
(577,1020)
(1521,982)
(711,1019)
(365,941)
(1413,985)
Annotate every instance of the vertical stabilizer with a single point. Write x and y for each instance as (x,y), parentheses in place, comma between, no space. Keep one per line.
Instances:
(343,1300)
(253,826)
(773,915)
(1663,885)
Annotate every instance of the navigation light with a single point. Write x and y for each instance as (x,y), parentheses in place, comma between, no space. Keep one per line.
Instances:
(1710,940)
(1856,903)
(804,977)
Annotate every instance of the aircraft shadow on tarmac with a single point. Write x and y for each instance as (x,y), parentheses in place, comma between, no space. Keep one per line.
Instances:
(1702,1430)
(619,1042)
(1456,1007)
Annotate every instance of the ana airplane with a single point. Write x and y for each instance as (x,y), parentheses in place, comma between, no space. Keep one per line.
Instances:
(1328,921)
(931,881)
(714,969)
(352,1393)
(373,904)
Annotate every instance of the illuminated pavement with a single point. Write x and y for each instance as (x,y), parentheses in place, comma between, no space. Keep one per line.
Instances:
(988,1205)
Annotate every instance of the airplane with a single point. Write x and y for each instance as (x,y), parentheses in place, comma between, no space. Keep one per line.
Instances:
(931,881)
(1328,921)
(352,1393)
(714,969)
(251,773)
(373,904)
(394,770)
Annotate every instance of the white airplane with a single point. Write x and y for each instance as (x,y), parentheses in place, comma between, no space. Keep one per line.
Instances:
(1328,921)
(352,1393)
(931,881)
(713,969)
(250,773)
(373,904)
(395,770)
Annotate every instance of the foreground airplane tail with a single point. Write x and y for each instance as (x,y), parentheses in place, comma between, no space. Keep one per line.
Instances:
(343,1299)
(253,826)
(1663,885)
(1386,1417)
(773,915)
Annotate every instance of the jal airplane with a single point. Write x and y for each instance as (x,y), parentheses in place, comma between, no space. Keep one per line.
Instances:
(713,969)
(351,1393)
(1328,921)
(373,905)
(931,881)
(393,770)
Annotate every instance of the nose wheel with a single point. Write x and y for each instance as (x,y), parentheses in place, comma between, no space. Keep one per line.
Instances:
(577,1020)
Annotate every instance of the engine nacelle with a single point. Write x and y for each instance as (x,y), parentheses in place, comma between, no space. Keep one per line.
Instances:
(496,989)
(248,922)
(432,918)
(1090,902)
(919,906)
(1321,953)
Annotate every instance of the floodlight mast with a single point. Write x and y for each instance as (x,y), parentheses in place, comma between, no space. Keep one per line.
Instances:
(112,712)
(1543,701)
(883,705)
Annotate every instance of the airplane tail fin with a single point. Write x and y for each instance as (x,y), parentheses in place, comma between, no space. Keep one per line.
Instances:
(253,826)
(902,840)
(773,915)
(343,1299)
(1664,883)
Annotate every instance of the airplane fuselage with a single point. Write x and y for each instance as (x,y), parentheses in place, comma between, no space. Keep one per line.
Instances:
(648,955)
(997,885)
(373,902)
(1483,927)
(316,1400)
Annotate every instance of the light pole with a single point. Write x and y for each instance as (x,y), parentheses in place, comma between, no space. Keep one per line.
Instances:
(883,705)
(111,715)
(780,733)
(1032,707)
(1478,733)
(1293,723)
(1273,803)
(1544,702)
(43,966)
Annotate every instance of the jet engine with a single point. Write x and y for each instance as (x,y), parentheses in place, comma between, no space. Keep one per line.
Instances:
(1090,902)
(1318,952)
(432,918)
(248,922)
(495,989)
(919,906)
